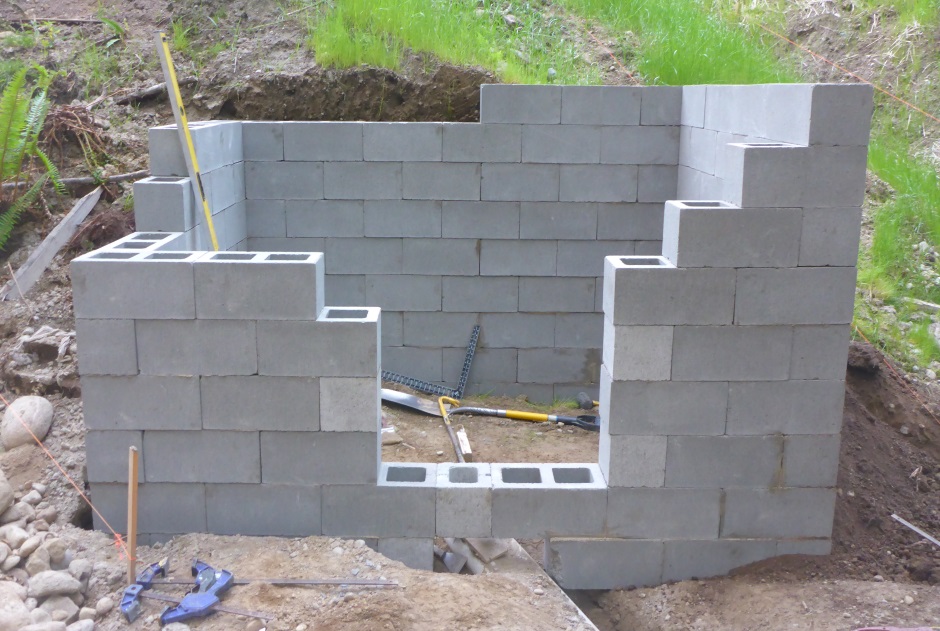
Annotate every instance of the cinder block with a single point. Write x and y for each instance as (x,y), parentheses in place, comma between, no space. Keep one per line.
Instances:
(481,220)
(163,508)
(830,237)
(600,105)
(569,391)
(415,552)
(657,183)
(662,105)
(663,407)
(293,244)
(693,106)
(761,175)
(841,114)
(464,500)
(535,393)
(639,145)
(694,184)
(586,258)
(217,144)
(702,559)
(403,218)
(277,510)
(558,221)
(556,294)
(517,258)
(206,456)
(633,461)
(125,285)
(650,290)
(778,513)
(603,563)
(284,180)
(260,403)
(489,364)
(811,460)
(363,256)
(517,330)
(393,329)
(327,218)
(537,104)
(816,547)
(698,149)
(347,291)
(320,457)
(820,352)
(521,182)
(714,234)
(778,112)
(559,365)
(628,222)
(232,226)
(422,363)
(453,257)
(350,404)
(196,347)
(704,462)
(378,511)
(107,454)
(561,144)
(475,142)
(804,295)
(263,141)
(141,402)
(438,329)
(452,181)
(791,407)
(266,218)
(404,293)
(106,347)
(402,142)
(326,141)
(579,330)
(663,513)
(731,353)
(483,294)
(361,180)
(638,353)
(226,186)
(164,204)
(598,183)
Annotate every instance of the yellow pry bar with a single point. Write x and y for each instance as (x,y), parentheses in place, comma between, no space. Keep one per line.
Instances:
(182,126)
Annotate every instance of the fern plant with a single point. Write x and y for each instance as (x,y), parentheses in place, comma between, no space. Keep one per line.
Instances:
(24,167)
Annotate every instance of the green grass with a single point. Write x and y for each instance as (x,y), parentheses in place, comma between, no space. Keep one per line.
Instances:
(101,68)
(181,37)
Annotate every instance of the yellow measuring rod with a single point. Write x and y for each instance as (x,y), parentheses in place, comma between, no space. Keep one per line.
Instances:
(182,126)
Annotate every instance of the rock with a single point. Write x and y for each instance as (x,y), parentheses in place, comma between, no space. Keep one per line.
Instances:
(61,608)
(81,570)
(908,600)
(4,552)
(87,613)
(905,430)
(254,625)
(32,498)
(39,487)
(879,578)
(19,575)
(13,613)
(40,525)
(176,626)
(11,562)
(29,546)
(45,626)
(38,562)
(60,615)
(48,514)
(35,412)
(6,493)
(13,535)
(57,550)
(81,625)
(31,603)
(39,615)
(19,511)
(54,583)
(104,605)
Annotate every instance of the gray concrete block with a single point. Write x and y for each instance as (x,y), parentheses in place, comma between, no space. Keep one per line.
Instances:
(663,513)
(277,510)
(841,114)
(569,391)
(225,186)
(327,218)
(320,457)
(481,220)
(477,293)
(363,256)
(600,105)
(402,142)
(820,352)
(350,404)
(217,144)
(556,294)
(559,365)
(415,552)
(778,513)
(663,407)
(451,181)
(347,291)
(712,234)
(320,349)
(361,180)
(326,141)
(464,506)
(422,363)
(698,149)
(378,511)
(164,204)
(694,184)
(163,508)
(586,258)
(657,183)
(403,218)
(633,461)
(107,454)
(535,393)
(232,226)
(561,144)
(141,403)
(702,559)
(638,353)
(804,295)
(453,257)
(517,258)
(473,142)
(791,407)
(489,364)
(537,104)
(284,180)
(579,330)
(438,329)
(404,293)
(263,141)
(603,563)
(662,105)
(816,547)
(517,330)
(731,353)
(629,222)
(106,347)
(830,237)
(393,329)
(255,403)
(692,111)
(266,218)
(639,145)
(778,112)
(704,462)
(206,456)
(598,183)
(281,244)
(548,220)
(811,460)
(521,182)
(196,347)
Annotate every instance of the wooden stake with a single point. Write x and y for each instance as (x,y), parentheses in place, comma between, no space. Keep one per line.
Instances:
(132,516)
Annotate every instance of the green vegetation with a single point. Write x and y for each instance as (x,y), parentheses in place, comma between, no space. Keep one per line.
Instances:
(181,37)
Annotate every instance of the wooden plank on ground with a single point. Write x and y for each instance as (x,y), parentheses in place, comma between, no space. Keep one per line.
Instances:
(464,443)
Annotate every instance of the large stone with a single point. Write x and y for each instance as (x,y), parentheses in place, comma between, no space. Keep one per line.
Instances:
(35,412)
(38,562)
(6,493)
(13,535)
(13,613)
(53,583)
(57,550)
(19,512)
(64,604)
(46,626)
(81,625)
(30,545)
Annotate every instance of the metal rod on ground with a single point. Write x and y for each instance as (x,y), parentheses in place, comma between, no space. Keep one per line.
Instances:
(132,515)
(923,534)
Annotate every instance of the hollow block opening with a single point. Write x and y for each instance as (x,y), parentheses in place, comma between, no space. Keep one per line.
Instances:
(522,476)
(347,314)
(114,255)
(406,474)
(572,475)
(287,257)
(228,256)
(168,256)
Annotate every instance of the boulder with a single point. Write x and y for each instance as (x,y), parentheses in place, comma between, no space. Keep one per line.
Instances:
(52,583)
(45,626)
(104,606)
(38,562)
(35,412)
(19,512)
(30,545)
(57,550)
(61,608)
(13,535)
(13,613)
(6,493)
(81,625)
